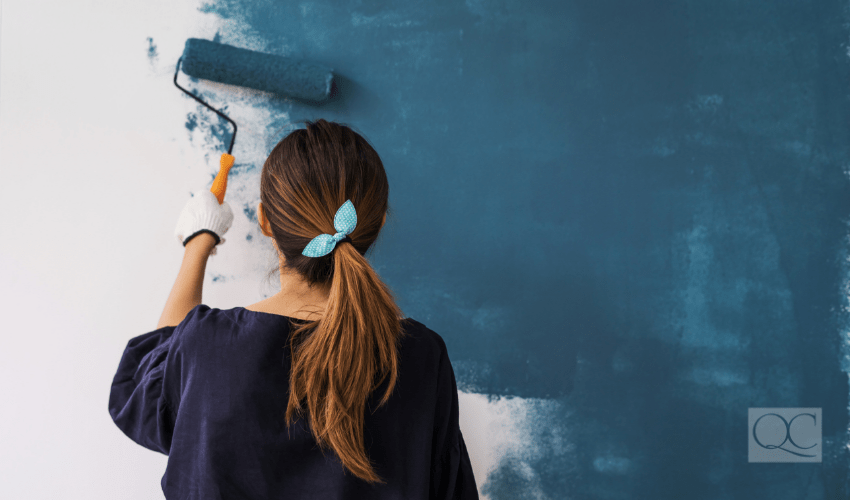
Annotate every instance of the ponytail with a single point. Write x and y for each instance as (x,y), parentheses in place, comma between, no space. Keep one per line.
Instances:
(338,360)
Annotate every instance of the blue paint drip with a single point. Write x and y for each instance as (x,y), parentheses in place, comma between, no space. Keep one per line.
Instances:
(152,54)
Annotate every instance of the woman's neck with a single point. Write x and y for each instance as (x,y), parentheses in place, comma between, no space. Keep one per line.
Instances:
(296,295)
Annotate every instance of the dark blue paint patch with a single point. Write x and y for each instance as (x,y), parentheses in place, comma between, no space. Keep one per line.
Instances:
(657,199)
(250,213)
(191,122)
(152,53)
(215,130)
(249,237)
(509,482)
(218,277)
(220,130)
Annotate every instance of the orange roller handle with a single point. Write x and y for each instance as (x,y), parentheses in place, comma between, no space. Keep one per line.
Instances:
(219,185)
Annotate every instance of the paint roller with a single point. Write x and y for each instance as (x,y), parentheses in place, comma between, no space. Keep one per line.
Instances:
(207,60)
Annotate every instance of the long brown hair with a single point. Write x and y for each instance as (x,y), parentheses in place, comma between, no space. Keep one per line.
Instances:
(338,360)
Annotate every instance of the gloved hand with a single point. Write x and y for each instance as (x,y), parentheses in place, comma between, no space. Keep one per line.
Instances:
(202,213)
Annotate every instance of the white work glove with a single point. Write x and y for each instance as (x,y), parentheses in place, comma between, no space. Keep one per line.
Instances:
(202,213)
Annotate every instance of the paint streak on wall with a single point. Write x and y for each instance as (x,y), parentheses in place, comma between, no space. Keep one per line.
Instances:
(152,54)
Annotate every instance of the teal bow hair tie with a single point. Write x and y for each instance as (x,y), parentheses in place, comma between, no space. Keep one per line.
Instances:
(345,221)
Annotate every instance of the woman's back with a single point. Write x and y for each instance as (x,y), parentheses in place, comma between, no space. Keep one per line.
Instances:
(216,388)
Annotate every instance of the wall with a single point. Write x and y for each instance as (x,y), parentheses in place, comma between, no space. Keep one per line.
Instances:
(628,220)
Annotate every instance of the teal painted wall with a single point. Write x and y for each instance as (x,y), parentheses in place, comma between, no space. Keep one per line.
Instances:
(638,209)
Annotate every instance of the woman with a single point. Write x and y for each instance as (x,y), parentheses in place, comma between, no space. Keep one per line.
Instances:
(323,390)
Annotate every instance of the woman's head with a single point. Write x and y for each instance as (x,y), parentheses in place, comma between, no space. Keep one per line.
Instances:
(338,360)
(308,175)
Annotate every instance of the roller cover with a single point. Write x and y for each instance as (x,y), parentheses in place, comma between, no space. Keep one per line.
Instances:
(257,70)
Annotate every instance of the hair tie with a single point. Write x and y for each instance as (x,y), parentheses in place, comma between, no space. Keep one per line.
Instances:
(345,221)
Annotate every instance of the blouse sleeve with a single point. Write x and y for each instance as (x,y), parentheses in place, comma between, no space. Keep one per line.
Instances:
(145,392)
(451,470)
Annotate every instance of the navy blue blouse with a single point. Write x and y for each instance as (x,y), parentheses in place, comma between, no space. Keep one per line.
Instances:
(211,393)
